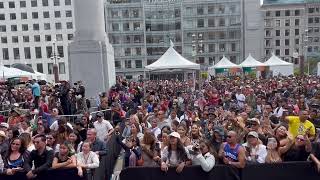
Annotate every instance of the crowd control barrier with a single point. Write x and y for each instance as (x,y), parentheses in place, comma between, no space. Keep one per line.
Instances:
(281,171)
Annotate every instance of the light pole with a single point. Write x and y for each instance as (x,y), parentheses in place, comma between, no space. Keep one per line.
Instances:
(304,51)
(55,56)
(197,47)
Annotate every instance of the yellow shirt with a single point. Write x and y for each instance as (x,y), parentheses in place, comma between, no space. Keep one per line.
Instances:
(296,127)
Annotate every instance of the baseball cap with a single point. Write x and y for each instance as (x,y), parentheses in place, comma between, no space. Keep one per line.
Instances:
(175,134)
(254,134)
(254,120)
(5,125)
(100,114)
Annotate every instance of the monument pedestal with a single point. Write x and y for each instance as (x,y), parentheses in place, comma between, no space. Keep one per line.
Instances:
(92,62)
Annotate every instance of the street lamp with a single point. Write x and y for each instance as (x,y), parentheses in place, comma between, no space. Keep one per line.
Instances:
(55,56)
(304,55)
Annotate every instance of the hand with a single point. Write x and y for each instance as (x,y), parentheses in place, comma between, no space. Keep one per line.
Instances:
(164,167)
(318,167)
(156,158)
(9,172)
(226,160)
(30,175)
(80,172)
(180,167)
(69,161)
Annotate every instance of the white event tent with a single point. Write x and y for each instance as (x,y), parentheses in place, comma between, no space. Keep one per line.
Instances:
(171,59)
(6,72)
(251,62)
(279,67)
(225,63)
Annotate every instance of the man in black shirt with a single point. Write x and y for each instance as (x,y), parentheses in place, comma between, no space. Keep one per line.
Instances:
(42,157)
(315,154)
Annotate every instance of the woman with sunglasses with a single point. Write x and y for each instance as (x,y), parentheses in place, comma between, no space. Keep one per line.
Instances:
(17,159)
(298,149)
(51,142)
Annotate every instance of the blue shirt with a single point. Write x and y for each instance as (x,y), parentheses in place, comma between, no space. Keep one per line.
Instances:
(35,89)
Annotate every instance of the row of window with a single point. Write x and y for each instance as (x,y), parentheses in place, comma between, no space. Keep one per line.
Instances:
(34,3)
(35,15)
(287,52)
(36,38)
(286,42)
(280,23)
(286,32)
(296,12)
(38,53)
(313,10)
(315,20)
(128,64)
(36,27)
(213,9)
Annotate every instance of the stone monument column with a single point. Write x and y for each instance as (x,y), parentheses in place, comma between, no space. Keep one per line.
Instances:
(91,56)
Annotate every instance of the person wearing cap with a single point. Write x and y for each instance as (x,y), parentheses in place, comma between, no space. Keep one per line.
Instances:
(14,118)
(256,152)
(4,127)
(103,127)
(175,154)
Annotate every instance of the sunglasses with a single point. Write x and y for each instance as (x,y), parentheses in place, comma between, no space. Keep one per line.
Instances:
(49,138)
(15,144)
(229,136)
(300,139)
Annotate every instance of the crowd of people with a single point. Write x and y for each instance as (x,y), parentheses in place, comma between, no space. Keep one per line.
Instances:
(164,123)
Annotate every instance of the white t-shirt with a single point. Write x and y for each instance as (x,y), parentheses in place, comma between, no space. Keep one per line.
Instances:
(102,129)
(260,151)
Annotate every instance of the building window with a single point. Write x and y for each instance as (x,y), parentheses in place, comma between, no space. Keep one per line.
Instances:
(211,22)
(135,13)
(117,64)
(277,42)
(67,2)
(36,38)
(222,22)
(40,67)
(115,27)
(287,52)
(69,25)
(268,13)
(59,37)
(47,38)
(58,26)
(56,2)
(233,47)
(25,27)
(70,37)
(14,28)
(46,14)
(296,32)
(127,51)
(211,60)
(128,64)
(200,11)
(125,13)
(126,27)
(15,39)
(34,3)
(50,68)
(45,3)
(211,9)
(297,22)
(277,32)
(316,20)
(277,52)
(138,51)
(222,47)
(46,26)
(38,52)
(13,16)
(287,12)
(311,10)
(278,13)
(221,9)
(11,4)
(68,13)
(60,51)
(287,22)
(27,53)
(5,53)
(200,23)
(2,17)
(4,40)
(36,27)
(16,53)
(267,43)
(35,15)
(138,63)
(25,38)
(287,32)
(3,28)
(297,41)
(49,51)
(57,14)
(1,5)
(136,26)
(62,68)
(212,47)
(287,42)
(278,23)
(24,16)
(268,33)
(297,12)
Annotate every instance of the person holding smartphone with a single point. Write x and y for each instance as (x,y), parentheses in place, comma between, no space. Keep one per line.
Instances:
(16,159)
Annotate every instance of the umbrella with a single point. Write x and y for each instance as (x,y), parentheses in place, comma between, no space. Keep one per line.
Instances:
(23,67)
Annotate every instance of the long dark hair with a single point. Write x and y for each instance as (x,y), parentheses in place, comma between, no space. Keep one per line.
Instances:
(22,149)
(181,152)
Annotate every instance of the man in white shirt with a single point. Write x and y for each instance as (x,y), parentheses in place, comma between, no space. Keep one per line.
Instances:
(256,152)
(154,127)
(173,117)
(241,98)
(103,127)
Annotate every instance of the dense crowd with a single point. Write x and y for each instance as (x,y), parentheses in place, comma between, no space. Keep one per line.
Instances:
(164,123)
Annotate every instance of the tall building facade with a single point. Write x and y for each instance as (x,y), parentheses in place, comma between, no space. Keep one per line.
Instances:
(291,29)
(28,29)
(202,31)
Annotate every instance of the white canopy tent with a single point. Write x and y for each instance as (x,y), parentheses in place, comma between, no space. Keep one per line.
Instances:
(279,67)
(6,72)
(171,59)
(251,62)
(225,63)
